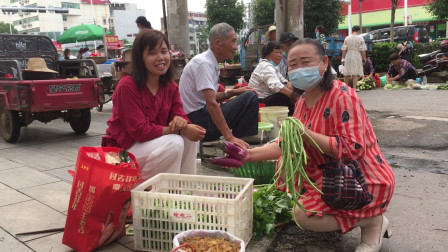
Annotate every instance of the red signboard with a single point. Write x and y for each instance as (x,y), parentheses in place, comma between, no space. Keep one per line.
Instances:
(379,5)
(57,45)
(112,41)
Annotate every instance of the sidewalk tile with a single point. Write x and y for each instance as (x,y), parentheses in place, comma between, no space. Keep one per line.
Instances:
(6,164)
(55,195)
(24,177)
(10,196)
(62,173)
(30,216)
(54,243)
(9,243)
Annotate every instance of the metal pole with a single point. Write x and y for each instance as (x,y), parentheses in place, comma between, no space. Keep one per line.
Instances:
(93,11)
(350,17)
(405,12)
(360,15)
(164,18)
(10,23)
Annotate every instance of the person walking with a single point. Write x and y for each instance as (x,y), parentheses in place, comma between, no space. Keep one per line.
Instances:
(328,108)
(320,35)
(353,57)
(143,23)
(147,117)
(198,86)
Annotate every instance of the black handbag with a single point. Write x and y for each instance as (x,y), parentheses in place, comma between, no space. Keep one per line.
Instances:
(344,186)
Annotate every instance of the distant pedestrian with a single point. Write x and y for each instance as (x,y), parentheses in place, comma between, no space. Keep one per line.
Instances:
(142,22)
(100,51)
(287,39)
(353,56)
(320,35)
(81,51)
(86,53)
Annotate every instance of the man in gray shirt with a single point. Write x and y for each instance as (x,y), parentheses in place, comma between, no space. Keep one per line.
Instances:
(198,88)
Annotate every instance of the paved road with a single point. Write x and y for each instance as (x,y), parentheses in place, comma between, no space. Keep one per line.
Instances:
(411,127)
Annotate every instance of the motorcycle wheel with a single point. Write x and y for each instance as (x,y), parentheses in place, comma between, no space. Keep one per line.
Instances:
(9,124)
(80,121)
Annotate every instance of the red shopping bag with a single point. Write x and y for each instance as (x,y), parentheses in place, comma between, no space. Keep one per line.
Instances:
(99,200)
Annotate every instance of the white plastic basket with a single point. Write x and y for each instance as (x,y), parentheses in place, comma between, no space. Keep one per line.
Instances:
(177,203)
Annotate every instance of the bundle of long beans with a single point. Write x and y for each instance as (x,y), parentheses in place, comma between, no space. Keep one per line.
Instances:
(294,159)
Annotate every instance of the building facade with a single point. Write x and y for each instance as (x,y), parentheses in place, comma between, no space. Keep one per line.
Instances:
(195,20)
(125,28)
(376,14)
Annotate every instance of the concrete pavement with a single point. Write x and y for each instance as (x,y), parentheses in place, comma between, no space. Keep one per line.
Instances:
(35,187)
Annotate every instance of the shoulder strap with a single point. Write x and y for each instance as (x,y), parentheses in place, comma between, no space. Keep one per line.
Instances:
(346,147)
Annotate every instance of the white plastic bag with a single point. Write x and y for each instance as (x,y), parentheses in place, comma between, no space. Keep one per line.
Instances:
(204,233)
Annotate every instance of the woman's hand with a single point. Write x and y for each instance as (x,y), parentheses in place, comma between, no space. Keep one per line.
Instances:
(178,123)
(193,132)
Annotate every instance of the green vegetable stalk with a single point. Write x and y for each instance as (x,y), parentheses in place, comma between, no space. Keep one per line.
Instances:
(294,159)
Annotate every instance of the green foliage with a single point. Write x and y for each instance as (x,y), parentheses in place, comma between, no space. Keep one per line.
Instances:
(438,8)
(228,11)
(263,12)
(270,207)
(326,13)
(236,58)
(382,51)
(4,28)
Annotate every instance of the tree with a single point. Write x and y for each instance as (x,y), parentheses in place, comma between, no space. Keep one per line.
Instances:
(326,13)
(263,12)
(395,3)
(4,28)
(202,36)
(229,11)
(439,9)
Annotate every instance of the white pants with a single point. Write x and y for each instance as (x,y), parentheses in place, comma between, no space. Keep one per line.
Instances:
(166,154)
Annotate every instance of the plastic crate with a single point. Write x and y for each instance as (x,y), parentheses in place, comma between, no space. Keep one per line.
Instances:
(177,202)
(262,172)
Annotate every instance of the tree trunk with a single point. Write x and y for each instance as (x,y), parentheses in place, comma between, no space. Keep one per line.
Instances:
(392,20)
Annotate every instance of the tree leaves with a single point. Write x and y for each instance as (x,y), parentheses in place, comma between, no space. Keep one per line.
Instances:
(4,28)
(228,11)
(438,8)
(326,13)
(263,12)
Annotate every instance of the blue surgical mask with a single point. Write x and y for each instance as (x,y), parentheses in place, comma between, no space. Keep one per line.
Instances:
(317,34)
(305,78)
(285,55)
(273,63)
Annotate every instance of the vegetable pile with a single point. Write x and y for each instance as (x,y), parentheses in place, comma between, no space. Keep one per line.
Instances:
(443,87)
(396,87)
(208,244)
(366,84)
(270,207)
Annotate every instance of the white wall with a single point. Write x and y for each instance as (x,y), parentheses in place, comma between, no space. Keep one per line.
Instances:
(124,21)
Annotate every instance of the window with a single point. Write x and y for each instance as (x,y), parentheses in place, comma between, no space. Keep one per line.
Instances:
(65,28)
(191,38)
(26,20)
(104,22)
(70,5)
(190,21)
(402,32)
(64,18)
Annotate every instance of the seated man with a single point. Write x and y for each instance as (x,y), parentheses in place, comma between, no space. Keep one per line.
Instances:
(200,97)
(401,72)
(271,87)
(368,69)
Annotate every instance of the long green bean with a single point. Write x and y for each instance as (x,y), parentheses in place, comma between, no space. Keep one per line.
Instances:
(294,160)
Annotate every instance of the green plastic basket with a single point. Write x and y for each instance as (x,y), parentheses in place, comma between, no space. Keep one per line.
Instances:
(262,172)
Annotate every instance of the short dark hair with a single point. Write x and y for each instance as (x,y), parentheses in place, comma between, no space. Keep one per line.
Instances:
(321,29)
(394,56)
(328,77)
(146,38)
(100,47)
(67,50)
(269,47)
(143,21)
(356,28)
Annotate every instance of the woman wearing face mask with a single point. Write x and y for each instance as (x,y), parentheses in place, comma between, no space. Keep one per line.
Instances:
(271,87)
(329,108)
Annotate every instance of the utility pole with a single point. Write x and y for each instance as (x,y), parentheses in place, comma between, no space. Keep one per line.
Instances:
(360,14)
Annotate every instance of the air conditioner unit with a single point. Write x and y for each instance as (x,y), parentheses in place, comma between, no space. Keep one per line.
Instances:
(27,1)
(20,13)
(24,26)
(30,25)
(22,2)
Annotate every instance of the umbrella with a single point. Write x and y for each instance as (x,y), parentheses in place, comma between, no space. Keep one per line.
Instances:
(83,32)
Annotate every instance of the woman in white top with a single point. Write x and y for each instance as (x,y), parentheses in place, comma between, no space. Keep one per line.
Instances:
(353,56)
(271,87)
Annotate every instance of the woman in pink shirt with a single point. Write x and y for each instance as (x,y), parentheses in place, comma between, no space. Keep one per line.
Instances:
(147,117)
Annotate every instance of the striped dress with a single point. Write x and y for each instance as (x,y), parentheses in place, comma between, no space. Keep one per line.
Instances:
(340,112)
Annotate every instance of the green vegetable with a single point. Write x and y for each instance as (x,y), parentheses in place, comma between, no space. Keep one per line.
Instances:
(270,207)
(293,162)
(443,87)
(388,86)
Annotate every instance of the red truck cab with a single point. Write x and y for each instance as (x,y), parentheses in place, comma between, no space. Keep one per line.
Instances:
(68,93)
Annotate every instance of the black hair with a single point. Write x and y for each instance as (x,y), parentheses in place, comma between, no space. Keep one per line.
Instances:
(328,78)
(100,47)
(269,47)
(394,56)
(356,28)
(321,29)
(143,21)
(146,38)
